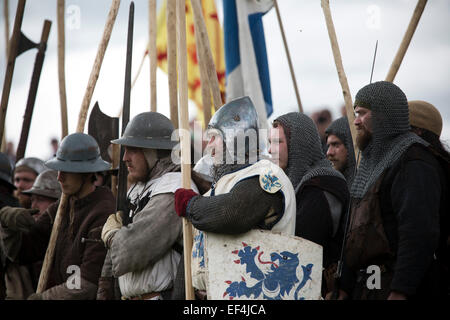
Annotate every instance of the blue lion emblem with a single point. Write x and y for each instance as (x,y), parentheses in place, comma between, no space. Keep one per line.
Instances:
(270,181)
(273,285)
(199,250)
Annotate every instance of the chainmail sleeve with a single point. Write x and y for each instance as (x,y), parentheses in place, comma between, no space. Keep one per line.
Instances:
(245,207)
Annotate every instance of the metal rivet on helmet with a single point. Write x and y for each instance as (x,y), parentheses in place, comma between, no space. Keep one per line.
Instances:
(78,153)
(151,130)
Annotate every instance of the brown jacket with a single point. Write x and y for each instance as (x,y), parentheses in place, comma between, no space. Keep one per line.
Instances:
(88,216)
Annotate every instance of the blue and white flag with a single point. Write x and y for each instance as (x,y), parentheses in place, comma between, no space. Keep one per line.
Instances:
(247,70)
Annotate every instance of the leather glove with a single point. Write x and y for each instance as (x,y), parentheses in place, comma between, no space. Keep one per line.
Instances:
(112,225)
(35,296)
(182,198)
(17,219)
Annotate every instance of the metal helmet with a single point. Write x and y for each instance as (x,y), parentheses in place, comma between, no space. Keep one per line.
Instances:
(46,184)
(6,171)
(151,130)
(235,118)
(78,153)
(35,164)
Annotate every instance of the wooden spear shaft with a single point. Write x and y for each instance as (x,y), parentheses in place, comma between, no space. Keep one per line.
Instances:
(63,202)
(61,68)
(205,52)
(340,70)
(171,20)
(152,52)
(406,40)
(185,139)
(288,55)
(97,64)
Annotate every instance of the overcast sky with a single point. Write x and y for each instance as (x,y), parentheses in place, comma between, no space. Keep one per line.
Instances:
(423,75)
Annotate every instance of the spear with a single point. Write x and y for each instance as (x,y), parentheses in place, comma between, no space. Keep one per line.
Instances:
(171,21)
(152,52)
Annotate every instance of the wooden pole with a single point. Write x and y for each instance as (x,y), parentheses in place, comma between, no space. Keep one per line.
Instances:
(288,55)
(185,139)
(63,203)
(61,68)
(152,52)
(340,70)
(6,15)
(205,52)
(204,80)
(97,64)
(406,40)
(171,20)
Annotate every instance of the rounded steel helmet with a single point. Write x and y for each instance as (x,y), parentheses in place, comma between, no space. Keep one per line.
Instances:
(6,170)
(151,130)
(78,153)
(35,164)
(46,184)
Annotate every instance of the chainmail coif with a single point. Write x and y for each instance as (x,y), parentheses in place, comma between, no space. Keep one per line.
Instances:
(306,159)
(390,132)
(341,129)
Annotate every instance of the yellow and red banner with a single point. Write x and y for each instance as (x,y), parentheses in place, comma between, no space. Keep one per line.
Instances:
(215,35)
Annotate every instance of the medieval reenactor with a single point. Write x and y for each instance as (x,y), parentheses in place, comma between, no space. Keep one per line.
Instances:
(321,191)
(340,148)
(396,196)
(145,253)
(21,280)
(237,201)
(79,253)
(25,173)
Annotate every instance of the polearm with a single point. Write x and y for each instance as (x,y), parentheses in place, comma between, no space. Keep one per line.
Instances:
(171,21)
(121,203)
(406,40)
(206,54)
(12,55)
(61,68)
(63,201)
(39,61)
(6,15)
(152,52)
(288,55)
(184,139)
(340,70)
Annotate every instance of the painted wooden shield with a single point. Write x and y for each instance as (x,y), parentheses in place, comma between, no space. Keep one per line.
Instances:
(262,265)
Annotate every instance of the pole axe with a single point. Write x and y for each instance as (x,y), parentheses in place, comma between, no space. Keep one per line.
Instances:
(121,204)
(184,140)
(38,63)
(406,40)
(152,52)
(63,201)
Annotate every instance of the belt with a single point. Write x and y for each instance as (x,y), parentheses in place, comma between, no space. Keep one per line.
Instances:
(145,296)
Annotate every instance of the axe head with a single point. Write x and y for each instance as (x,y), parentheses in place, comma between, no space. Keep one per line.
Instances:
(104,129)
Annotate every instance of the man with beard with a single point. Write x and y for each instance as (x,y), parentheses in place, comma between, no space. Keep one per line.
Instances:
(25,172)
(237,201)
(144,254)
(340,148)
(78,253)
(321,192)
(394,225)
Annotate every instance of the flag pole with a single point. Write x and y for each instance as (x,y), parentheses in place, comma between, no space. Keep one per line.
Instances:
(288,55)
(184,139)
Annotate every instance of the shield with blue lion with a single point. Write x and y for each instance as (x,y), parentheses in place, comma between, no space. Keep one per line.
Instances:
(262,265)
